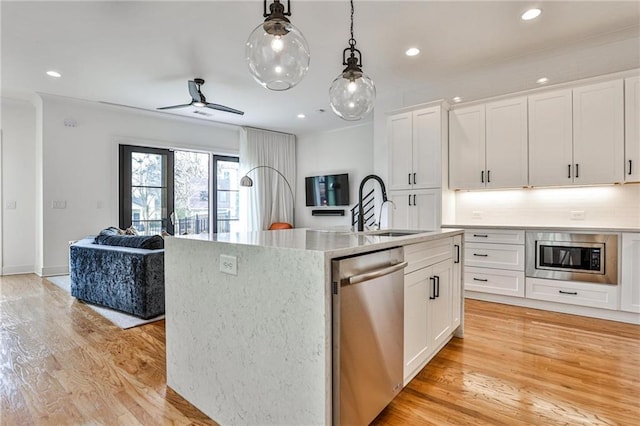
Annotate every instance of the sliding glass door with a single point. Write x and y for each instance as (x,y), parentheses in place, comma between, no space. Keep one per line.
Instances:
(146,189)
(181,192)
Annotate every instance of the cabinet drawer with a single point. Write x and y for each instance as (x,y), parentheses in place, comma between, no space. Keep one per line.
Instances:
(496,281)
(426,254)
(503,256)
(575,293)
(496,236)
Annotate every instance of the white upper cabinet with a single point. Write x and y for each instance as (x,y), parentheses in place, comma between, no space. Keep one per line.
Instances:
(576,136)
(506,143)
(467,147)
(550,138)
(415,140)
(488,145)
(598,133)
(632,129)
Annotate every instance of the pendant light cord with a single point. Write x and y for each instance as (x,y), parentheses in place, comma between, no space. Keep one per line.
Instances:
(352,41)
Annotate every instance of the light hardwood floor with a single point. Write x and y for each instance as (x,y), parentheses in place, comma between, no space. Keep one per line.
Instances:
(61,363)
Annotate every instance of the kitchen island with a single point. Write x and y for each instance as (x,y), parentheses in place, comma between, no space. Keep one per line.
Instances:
(252,345)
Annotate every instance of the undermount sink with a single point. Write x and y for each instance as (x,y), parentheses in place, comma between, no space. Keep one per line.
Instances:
(398,233)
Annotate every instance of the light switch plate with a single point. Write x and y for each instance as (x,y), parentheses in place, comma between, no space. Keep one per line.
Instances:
(228,264)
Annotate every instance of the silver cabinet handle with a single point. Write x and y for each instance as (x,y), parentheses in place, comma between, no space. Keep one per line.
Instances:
(355,279)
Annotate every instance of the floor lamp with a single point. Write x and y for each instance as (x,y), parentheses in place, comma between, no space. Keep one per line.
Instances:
(247,181)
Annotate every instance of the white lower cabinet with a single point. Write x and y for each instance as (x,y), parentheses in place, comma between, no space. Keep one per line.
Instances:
(494,261)
(630,280)
(496,281)
(575,293)
(432,303)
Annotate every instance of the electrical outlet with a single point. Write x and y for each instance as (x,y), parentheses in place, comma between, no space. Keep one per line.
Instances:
(11,205)
(576,215)
(228,264)
(59,204)
(476,214)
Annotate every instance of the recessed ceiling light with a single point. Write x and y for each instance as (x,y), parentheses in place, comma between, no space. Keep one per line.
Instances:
(412,51)
(542,80)
(301,116)
(531,14)
(54,74)
(457,99)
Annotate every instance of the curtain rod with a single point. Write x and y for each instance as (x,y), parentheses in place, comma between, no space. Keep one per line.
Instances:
(265,130)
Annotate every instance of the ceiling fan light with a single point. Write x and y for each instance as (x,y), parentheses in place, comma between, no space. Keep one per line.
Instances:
(198,104)
(276,52)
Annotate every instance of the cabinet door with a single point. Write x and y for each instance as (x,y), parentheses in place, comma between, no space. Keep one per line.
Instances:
(632,129)
(630,283)
(456,283)
(399,209)
(598,133)
(424,212)
(550,138)
(416,337)
(467,148)
(506,144)
(440,306)
(427,140)
(399,136)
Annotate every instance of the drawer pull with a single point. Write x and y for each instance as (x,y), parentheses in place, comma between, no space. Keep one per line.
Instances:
(480,279)
(480,255)
(573,293)
(481,235)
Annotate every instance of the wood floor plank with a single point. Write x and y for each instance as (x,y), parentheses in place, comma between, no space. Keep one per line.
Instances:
(62,363)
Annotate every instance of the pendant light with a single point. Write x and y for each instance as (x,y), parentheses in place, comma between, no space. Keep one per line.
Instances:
(277,53)
(352,93)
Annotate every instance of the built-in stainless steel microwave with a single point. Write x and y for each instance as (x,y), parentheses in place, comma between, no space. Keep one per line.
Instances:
(572,256)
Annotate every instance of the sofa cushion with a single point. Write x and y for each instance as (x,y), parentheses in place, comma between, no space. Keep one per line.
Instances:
(150,242)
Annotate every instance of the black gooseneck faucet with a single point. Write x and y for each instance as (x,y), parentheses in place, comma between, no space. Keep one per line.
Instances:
(360,208)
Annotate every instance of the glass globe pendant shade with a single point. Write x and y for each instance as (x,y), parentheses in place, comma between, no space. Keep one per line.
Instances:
(277,54)
(352,95)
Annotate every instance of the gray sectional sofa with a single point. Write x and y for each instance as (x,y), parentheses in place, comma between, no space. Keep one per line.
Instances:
(126,279)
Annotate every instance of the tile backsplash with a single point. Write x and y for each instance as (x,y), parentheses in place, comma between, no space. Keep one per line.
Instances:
(616,206)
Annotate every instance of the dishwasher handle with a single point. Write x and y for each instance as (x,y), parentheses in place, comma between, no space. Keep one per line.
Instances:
(355,279)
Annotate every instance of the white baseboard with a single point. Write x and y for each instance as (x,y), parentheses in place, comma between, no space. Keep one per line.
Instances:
(17,270)
(585,311)
(53,270)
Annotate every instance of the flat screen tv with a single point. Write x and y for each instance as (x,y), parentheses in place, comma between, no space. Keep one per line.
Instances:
(328,190)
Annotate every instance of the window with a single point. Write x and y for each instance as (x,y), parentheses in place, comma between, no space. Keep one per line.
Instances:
(169,190)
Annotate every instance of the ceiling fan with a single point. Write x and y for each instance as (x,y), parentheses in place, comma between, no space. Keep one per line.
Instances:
(199,100)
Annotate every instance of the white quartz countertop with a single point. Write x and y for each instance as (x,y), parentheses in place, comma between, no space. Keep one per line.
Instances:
(333,244)
(541,227)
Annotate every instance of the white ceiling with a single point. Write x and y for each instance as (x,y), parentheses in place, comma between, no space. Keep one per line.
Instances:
(141,54)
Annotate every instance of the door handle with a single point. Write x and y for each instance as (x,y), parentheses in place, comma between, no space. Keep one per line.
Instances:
(488,176)
(457,253)
(409,199)
(482,176)
(437,294)
(569,171)
(409,176)
(414,199)
(577,170)
(629,166)
(414,179)
(433,287)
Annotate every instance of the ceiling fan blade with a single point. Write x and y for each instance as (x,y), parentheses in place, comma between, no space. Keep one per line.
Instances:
(175,106)
(224,109)
(193,91)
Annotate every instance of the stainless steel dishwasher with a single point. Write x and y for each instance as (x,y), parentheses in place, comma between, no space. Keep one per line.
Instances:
(368,327)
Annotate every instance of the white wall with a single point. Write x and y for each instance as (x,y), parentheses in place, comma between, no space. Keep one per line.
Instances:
(80,165)
(603,206)
(18,186)
(347,150)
